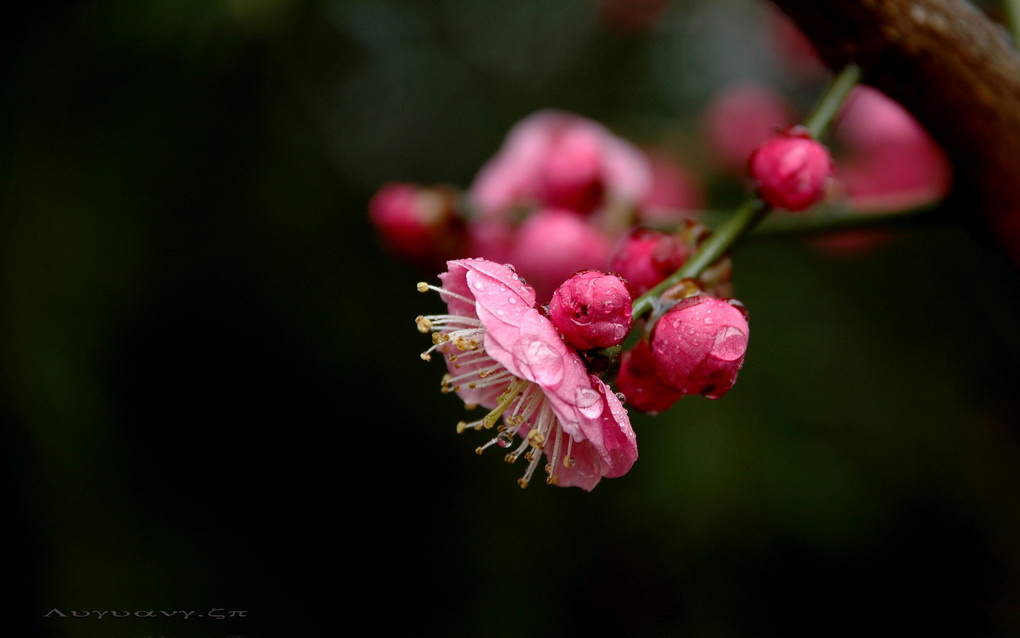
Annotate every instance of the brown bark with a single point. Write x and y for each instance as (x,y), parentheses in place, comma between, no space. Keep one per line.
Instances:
(956,70)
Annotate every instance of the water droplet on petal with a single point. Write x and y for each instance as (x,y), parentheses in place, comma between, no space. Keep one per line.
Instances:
(504,440)
(589,402)
(730,344)
(479,285)
(545,364)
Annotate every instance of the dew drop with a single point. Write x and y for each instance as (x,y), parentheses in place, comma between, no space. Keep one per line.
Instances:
(512,299)
(730,344)
(479,285)
(545,364)
(589,402)
(504,439)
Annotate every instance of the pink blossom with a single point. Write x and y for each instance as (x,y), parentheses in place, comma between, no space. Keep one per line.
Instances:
(644,390)
(742,117)
(554,243)
(504,354)
(791,170)
(699,344)
(592,309)
(563,160)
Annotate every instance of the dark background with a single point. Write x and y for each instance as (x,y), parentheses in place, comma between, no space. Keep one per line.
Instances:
(212,399)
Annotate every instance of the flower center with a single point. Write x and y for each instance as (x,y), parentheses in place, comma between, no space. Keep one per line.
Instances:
(525,412)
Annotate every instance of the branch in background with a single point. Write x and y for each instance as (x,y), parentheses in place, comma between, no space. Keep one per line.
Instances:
(955,70)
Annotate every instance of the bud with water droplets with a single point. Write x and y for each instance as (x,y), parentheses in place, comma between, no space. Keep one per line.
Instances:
(646,256)
(699,344)
(791,170)
(638,380)
(592,309)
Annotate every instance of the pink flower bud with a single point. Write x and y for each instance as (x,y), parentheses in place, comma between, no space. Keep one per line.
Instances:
(592,309)
(642,387)
(646,256)
(415,222)
(698,345)
(791,170)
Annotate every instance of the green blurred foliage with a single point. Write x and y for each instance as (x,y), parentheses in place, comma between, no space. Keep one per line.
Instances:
(212,393)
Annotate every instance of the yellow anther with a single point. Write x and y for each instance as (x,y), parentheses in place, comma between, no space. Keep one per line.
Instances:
(522,482)
(536,439)
(424,325)
(423,287)
(510,458)
(461,427)
(478,450)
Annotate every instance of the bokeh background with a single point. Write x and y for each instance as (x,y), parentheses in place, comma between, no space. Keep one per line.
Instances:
(212,399)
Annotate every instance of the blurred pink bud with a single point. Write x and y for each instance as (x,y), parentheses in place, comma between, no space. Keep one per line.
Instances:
(699,344)
(592,309)
(642,388)
(563,160)
(415,222)
(490,239)
(740,118)
(646,256)
(674,192)
(791,170)
(554,243)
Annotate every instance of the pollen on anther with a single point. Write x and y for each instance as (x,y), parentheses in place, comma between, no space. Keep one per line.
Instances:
(422,286)
(522,482)
(479,450)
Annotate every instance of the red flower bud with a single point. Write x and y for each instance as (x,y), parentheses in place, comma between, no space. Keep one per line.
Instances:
(698,345)
(791,170)
(592,309)
(642,388)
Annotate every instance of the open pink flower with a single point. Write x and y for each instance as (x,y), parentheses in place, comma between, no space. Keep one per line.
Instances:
(504,354)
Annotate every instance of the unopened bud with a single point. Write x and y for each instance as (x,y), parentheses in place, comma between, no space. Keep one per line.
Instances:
(791,170)
(592,309)
(699,344)
(641,385)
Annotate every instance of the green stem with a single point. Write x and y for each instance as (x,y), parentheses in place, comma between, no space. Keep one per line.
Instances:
(753,210)
(715,246)
(1012,8)
(833,217)
(828,107)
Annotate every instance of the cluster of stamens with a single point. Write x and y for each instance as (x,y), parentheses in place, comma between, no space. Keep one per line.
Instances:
(521,405)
